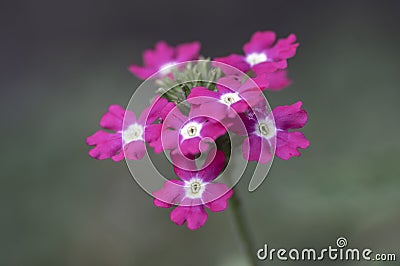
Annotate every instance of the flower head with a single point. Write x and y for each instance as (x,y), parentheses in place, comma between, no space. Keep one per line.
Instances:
(129,134)
(263,53)
(194,192)
(126,138)
(263,133)
(163,57)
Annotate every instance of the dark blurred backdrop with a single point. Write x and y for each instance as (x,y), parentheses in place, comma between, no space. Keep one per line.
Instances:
(64,62)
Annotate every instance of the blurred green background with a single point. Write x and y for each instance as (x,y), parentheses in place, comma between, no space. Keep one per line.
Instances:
(64,62)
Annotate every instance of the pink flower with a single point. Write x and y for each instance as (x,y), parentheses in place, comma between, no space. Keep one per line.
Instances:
(231,98)
(263,54)
(127,139)
(195,192)
(262,132)
(163,57)
(188,134)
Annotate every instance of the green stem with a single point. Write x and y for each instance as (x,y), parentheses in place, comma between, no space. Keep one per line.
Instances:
(243,229)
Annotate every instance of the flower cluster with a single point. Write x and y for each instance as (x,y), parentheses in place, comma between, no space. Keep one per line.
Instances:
(198,106)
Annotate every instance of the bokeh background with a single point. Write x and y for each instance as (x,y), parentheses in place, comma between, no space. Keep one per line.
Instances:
(64,62)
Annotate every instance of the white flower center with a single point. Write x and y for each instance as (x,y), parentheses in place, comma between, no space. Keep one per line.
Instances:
(191,130)
(230,98)
(132,133)
(256,58)
(266,129)
(167,68)
(194,188)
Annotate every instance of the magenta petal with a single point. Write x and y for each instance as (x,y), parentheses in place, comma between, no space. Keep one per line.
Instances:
(290,116)
(238,126)
(169,139)
(184,166)
(152,132)
(118,157)
(187,51)
(113,118)
(235,60)
(142,72)
(286,47)
(107,144)
(161,204)
(288,143)
(276,80)
(261,40)
(239,107)
(175,119)
(213,166)
(144,118)
(166,110)
(212,129)
(255,148)
(135,150)
(200,95)
(190,146)
(152,136)
(162,54)
(172,193)
(216,196)
(159,110)
(265,67)
(232,83)
(179,214)
(213,109)
(195,216)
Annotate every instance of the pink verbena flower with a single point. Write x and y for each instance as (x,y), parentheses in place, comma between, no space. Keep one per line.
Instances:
(263,53)
(186,134)
(128,138)
(163,57)
(262,132)
(231,98)
(195,192)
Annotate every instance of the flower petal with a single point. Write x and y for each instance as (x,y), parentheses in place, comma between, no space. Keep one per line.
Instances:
(255,148)
(107,144)
(213,166)
(275,81)
(187,51)
(162,54)
(260,41)
(113,119)
(216,196)
(212,129)
(288,143)
(135,150)
(235,60)
(170,194)
(142,72)
(290,116)
(195,216)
